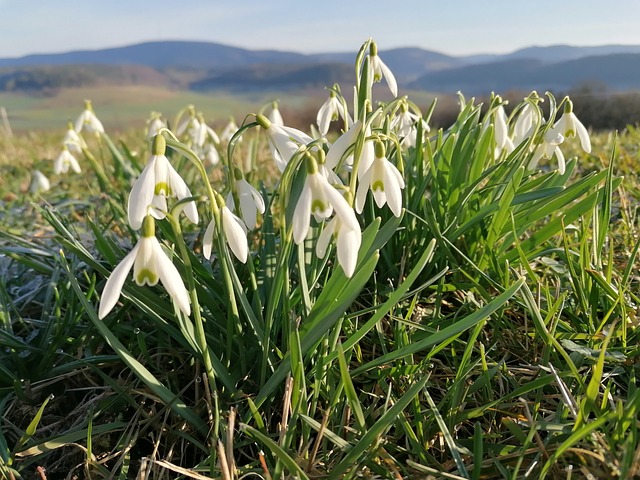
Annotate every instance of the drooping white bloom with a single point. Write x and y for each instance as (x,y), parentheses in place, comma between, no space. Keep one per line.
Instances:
(527,120)
(155,124)
(235,234)
(73,141)
(320,199)
(88,120)
(39,182)
(500,122)
(330,111)
(201,133)
(405,126)
(65,161)
(251,202)
(150,265)
(187,123)
(274,115)
(348,242)
(284,142)
(229,131)
(569,126)
(210,154)
(344,142)
(385,182)
(378,70)
(158,181)
(549,147)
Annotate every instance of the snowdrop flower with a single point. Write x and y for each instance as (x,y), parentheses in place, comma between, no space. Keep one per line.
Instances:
(235,233)
(549,147)
(251,202)
(348,240)
(385,182)
(284,142)
(155,124)
(344,142)
(88,120)
(150,265)
(229,131)
(275,116)
(201,133)
(500,124)
(320,199)
(378,69)
(405,126)
(569,126)
(528,119)
(72,140)
(39,182)
(187,123)
(210,154)
(65,161)
(330,111)
(158,181)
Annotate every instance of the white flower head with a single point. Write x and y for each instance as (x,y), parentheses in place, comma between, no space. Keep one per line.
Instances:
(384,180)
(274,115)
(88,120)
(234,231)
(284,142)
(65,161)
(39,182)
(549,147)
(150,265)
(378,69)
(158,181)
(72,140)
(569,126)
(250,200)
(330,111)
(320,199)
(229,131)
(155,124)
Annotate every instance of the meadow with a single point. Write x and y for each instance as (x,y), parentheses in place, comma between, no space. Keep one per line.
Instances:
(378,299)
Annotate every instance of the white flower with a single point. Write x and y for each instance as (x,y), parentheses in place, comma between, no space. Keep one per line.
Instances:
(284,142)
(155,124)
(330,110)
(201,133)
(385,182)
(65,161)
(344,142)
(275,116)
(88,120)
(319,198)
(528,119)
(150,264)
(157,181)
(251,202)
(229,130)
(39,182)
(348,242)
(210,154)
(569,126)
(549,147)
(378,69)
(235,234)
(73,141)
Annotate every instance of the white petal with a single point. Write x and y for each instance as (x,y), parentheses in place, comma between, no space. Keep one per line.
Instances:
(141,195)
(324,116)
(392,189)
(236,234)
(583,135)
(340,146)
(561,163)
(207,239)
(301,214)
(170,278)
(180,190)
(113,287)
(348,244)
(389,77)
(363,188)
(325,237)
(342,208)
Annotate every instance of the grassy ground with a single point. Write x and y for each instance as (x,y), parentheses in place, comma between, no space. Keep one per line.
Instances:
(491,331)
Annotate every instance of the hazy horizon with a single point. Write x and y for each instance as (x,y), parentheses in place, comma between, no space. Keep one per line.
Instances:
(464,28)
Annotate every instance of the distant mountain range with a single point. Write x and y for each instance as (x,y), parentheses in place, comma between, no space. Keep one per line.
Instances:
(210,66)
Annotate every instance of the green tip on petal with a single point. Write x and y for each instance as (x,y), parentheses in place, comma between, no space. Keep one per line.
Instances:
(568,105)
(148,227)
(263,121)
(380,151)
(159,145)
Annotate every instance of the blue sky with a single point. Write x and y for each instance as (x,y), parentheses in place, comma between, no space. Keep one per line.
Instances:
(454,27)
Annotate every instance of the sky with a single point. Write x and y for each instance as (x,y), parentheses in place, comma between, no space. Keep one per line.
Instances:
(461,27)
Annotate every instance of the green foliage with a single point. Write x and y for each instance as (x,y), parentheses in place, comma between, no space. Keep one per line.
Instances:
(488,330)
